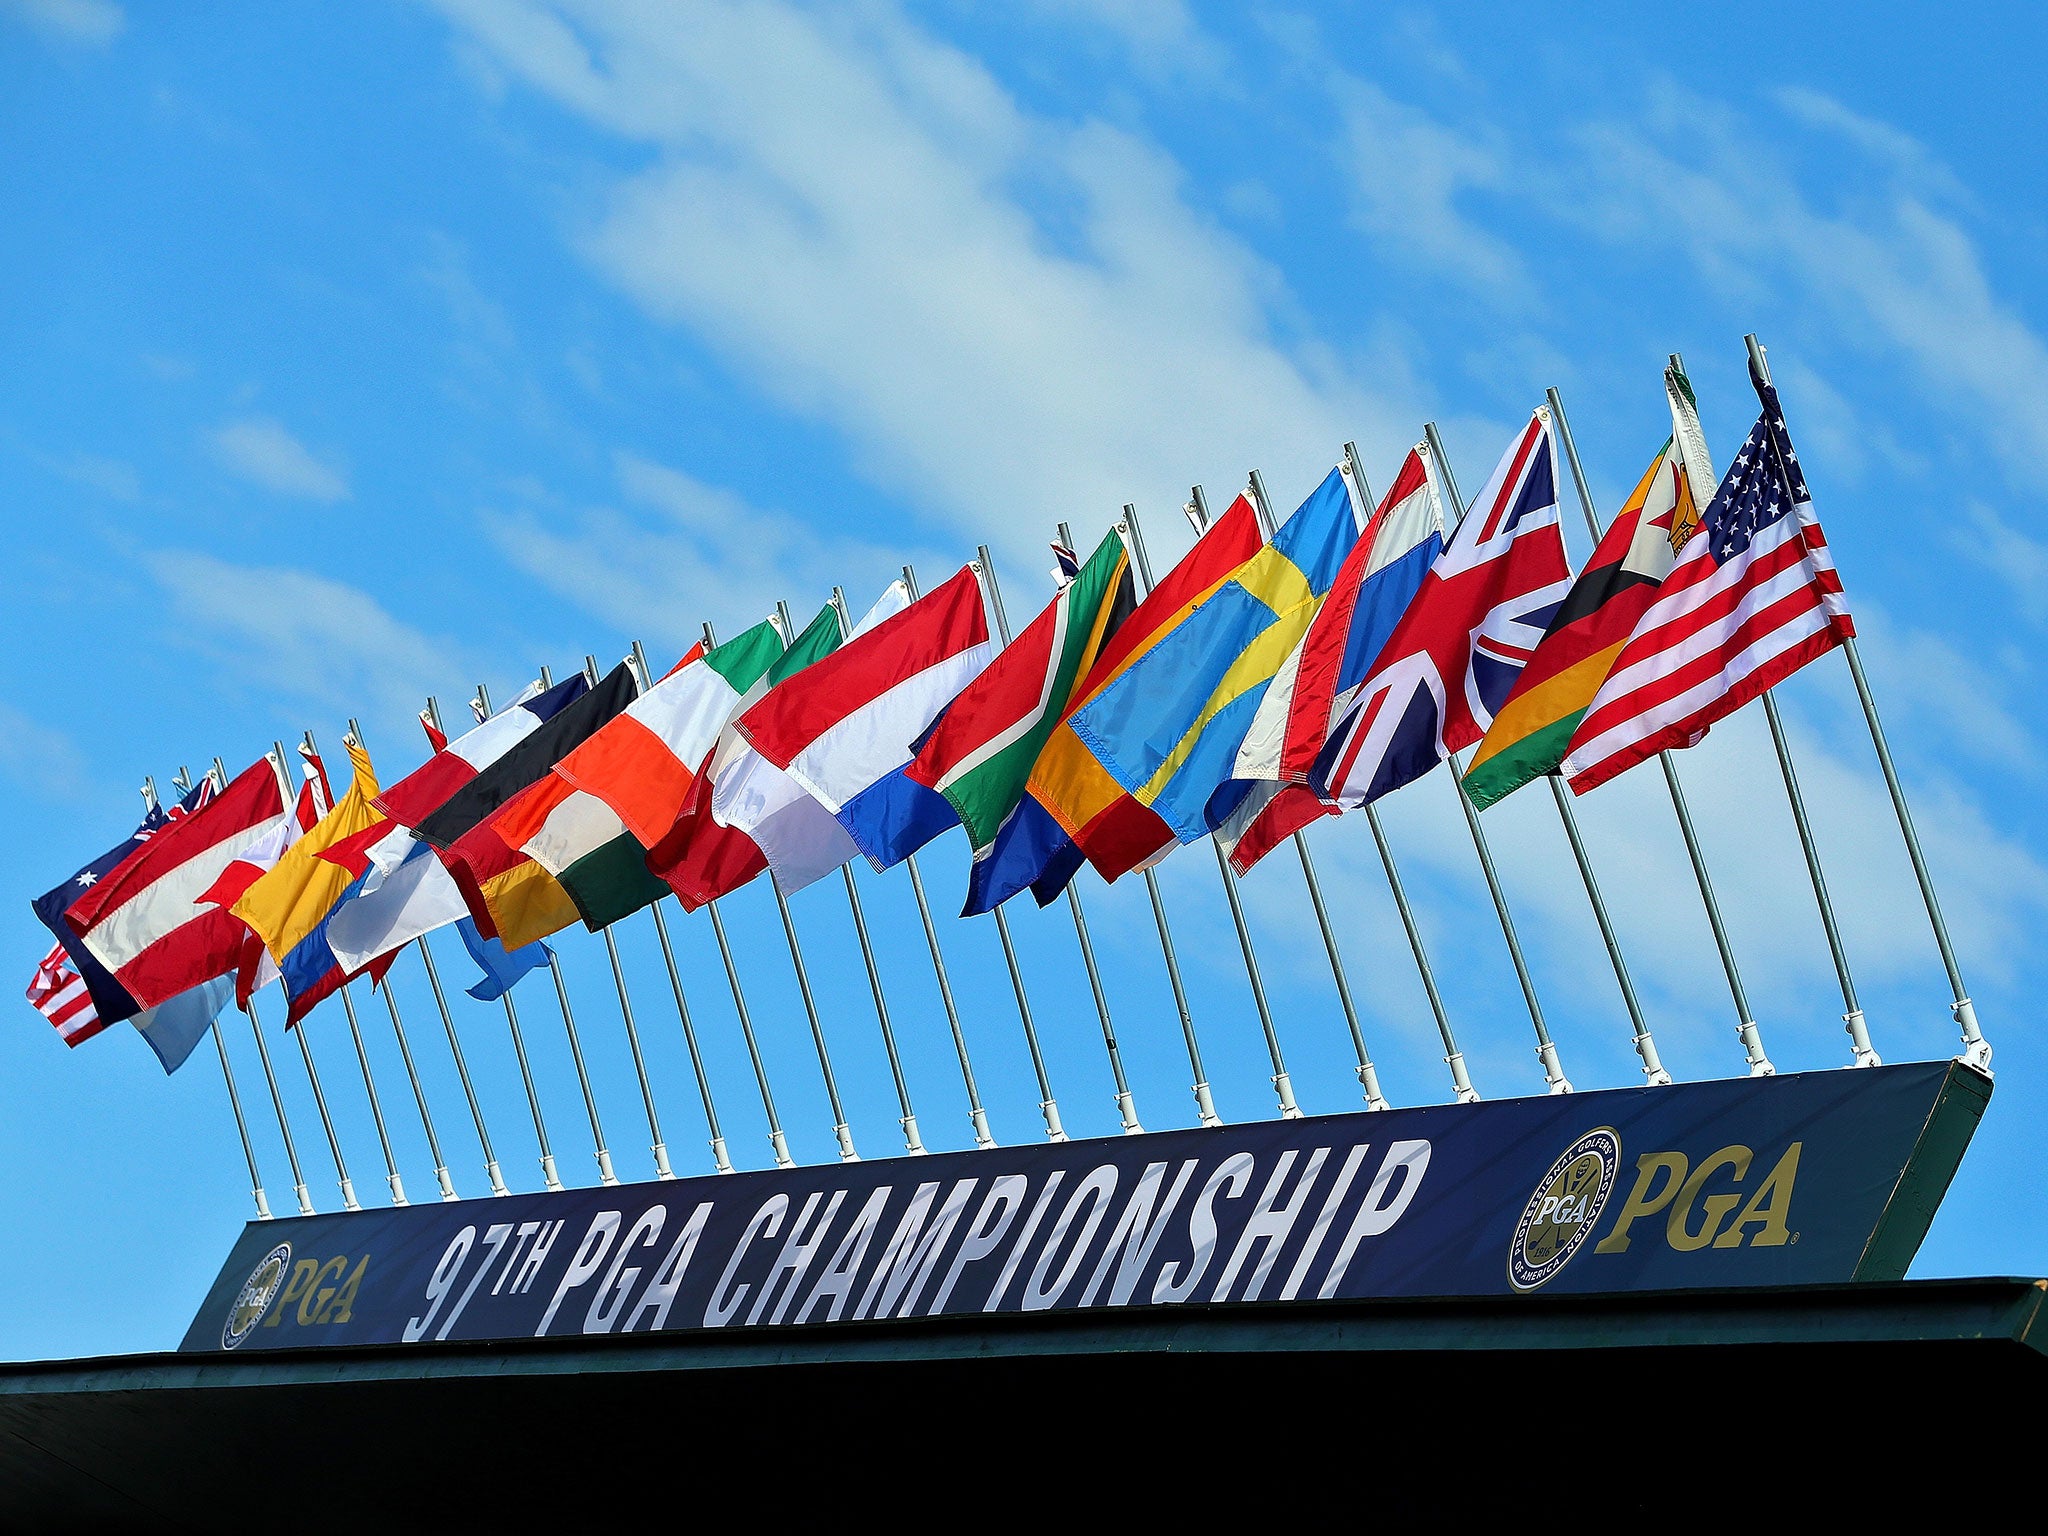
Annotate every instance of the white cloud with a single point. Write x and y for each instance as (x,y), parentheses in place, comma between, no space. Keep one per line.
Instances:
(835,207)
(683,552)
(1159,35)
(95,23)
(1408,172)
(112,478)
(305,636)
(262,452)
(40,757)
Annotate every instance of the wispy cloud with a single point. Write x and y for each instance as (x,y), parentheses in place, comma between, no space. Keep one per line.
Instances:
(40,757)
(2016,559)
(307,637)
(261,451)
(833,208)
(94,23)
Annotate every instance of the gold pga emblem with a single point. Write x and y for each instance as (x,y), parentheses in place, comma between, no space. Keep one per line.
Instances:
(1561,1214)
(256,1295)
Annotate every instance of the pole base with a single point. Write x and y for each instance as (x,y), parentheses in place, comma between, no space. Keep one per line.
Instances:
(912,1144)
(605,1175)
(397,1189)
(846,1152)
(718,1154)
(661,1167)
(1859,1040)
(305,1201)
(1369,1080)
(1553,1070)
(782,1157)
(348,1196)
(984,1138)
(1283,1086)
(1461,1082)
(1976,1051)
(1753,1050)
(1654,1075)
(548,1173)
(1127,1112)
(447,1184)
(1206,1106)
(497,1178)
(262,1204)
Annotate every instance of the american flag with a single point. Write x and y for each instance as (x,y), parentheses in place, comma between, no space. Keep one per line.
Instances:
(59,994)
(1752,598)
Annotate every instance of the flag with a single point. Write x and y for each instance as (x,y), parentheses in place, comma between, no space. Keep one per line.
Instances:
(173,1028)
(502,968)
(980,754)
(643,764)
(1455,654)
(437,739)
(1168,728)
(255,968)
(141,921)
(1619,583)
(288,906)
(1379,579)
(510,896)
(110,1001)
(799,836)
(408,891)
(1751,599)
(1111,827)
(580,841)
(843,728)
(59,994)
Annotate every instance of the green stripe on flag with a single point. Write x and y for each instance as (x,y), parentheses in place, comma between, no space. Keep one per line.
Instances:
(1533,756)
(611,882)
(744,659)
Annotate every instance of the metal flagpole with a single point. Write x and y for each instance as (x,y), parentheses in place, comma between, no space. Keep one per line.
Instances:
(411,1072)
(739,1002)
(840,1129)
(182,783)
(550,1175)
(908,1120)
(476,1111)
(636,662)
(1976,1051)
(605,1173)
(355,1031)
(1746,1030)
(1461,1082)
(1368,1075)
(1283,1086)
(1205,1105)
(348,1189)
(1546,1050)
(675,977)
(984,567)
(483,1136)
(1852,1019)
(983,1137)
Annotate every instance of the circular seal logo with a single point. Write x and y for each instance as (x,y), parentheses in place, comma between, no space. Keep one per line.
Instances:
(256,1295)
(1561,1215)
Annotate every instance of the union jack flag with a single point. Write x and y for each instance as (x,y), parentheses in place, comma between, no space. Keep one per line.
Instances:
(1473,624)
(1753,597)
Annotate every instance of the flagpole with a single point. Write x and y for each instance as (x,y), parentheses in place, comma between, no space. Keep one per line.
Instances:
(476,1111)
(183,783)
(550,1174)
(606,1175)
(840,1129)
(675,977)
(776,1139)
(984,567)
(284,1125)
(1752,1043)
(483,1136)
(1283,1086)
(411,1072)
(1368,1075)
(984,1139)
(1205,1104)
(1461,1082)
(348,1189)
(312,751)
(1546,1050)
(1976,1051)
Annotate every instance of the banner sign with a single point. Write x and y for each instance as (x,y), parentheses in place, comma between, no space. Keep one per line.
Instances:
(1812,1177)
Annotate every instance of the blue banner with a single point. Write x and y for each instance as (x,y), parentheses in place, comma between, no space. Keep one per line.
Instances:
(1806,1178)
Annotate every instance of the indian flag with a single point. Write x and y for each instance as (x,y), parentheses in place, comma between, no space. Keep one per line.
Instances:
(592,820)
(1532,729)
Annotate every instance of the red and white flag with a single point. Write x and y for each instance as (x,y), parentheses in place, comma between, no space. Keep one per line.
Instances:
(1752,598)
(144,922)
(58,993)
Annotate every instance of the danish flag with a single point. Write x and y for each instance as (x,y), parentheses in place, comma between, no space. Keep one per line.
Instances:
(1475,621)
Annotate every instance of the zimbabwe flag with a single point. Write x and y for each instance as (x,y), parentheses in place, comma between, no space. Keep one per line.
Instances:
(1533,727)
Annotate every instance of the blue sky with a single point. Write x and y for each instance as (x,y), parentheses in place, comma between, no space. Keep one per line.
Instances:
(350,358)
